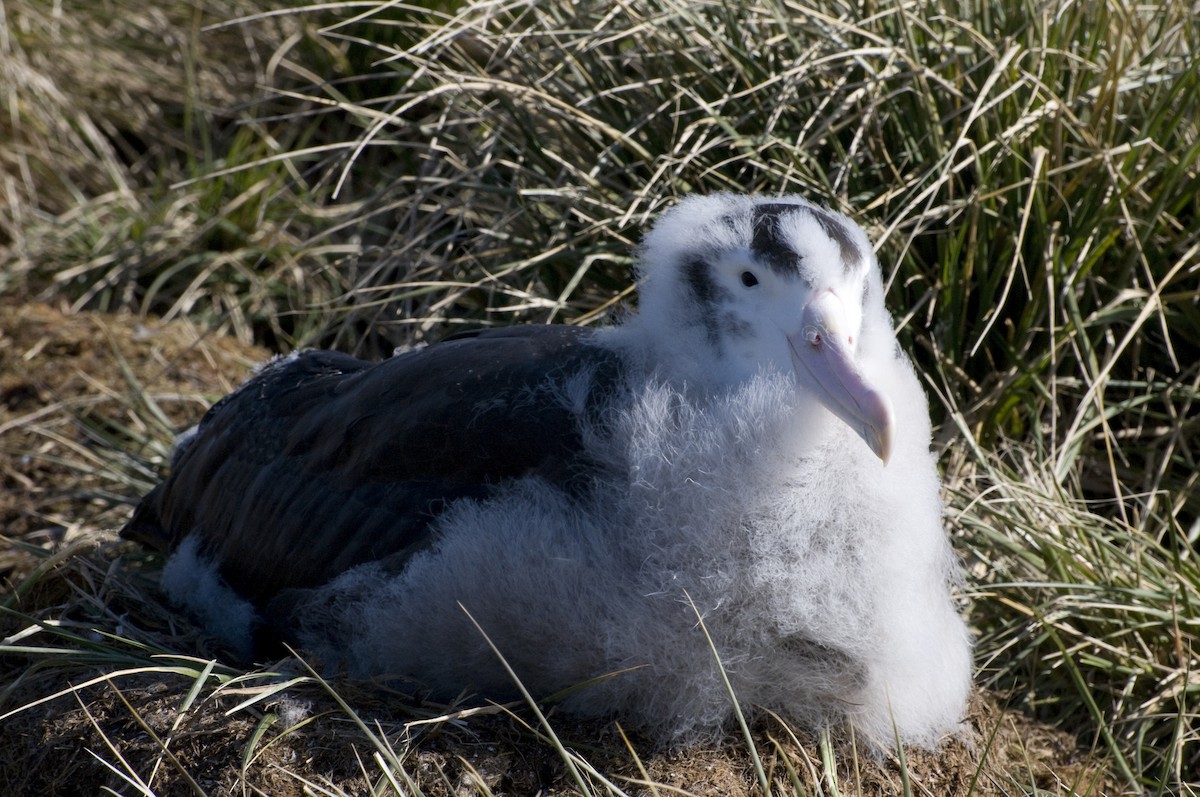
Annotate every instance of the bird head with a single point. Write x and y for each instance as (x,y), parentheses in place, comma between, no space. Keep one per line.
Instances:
(732,285)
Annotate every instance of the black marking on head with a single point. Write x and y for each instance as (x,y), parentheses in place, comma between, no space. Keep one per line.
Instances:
(700,281)
(734,326)
(769,245)
(835,228)
(698,277)
(767,242)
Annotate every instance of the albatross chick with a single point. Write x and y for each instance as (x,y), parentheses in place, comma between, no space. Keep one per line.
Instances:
(751,442)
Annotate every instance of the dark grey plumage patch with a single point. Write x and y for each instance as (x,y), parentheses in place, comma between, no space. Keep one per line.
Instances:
(767,241)
(838,666)
(769,245)
(835,229)
(698,274)
(734,326)
(707,293)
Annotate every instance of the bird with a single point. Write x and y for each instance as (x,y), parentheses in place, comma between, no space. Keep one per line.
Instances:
(725,499)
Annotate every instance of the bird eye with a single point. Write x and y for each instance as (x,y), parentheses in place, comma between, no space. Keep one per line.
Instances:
(748,279)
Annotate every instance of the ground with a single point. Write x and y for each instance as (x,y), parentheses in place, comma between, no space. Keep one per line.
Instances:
(104,686)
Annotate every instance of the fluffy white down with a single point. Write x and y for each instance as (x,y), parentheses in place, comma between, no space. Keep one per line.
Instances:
(191,580)
(822,576)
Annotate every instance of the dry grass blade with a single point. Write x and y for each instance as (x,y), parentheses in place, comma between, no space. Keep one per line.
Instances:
(740,716)
(567,757)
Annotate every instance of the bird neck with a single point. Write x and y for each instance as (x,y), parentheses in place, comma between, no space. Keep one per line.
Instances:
(684,356)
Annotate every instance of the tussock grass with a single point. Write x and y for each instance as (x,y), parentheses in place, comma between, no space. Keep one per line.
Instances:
(108,107)
(1085,601)
(374,173)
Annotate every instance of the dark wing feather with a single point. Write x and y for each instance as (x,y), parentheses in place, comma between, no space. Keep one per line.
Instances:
(323,461)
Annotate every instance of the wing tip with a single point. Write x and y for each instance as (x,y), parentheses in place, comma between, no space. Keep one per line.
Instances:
(145,526)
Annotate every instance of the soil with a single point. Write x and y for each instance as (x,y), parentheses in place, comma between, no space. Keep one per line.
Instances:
(103,686)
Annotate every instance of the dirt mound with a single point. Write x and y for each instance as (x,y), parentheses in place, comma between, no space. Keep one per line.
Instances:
(71,386)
